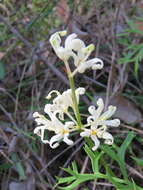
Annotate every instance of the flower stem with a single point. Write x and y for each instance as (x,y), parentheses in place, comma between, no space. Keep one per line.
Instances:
(72,86)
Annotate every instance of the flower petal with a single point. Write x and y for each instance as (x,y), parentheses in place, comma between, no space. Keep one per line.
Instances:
(54,140)
(52,92)
(95,112)
(79,91)
(37,129)
(69,40)
(92,63)
(55,39)
(85,133)
(111,110)
(96,142)
(87,51)
(74,43)
(108,138)
(114,122)
(67,140)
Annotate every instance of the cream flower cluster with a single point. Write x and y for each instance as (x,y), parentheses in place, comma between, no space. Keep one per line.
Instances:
(97,124)
(56,111)
(96,127)
(76,49)
(63,113)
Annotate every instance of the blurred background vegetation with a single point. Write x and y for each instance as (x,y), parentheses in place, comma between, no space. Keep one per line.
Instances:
(29,69)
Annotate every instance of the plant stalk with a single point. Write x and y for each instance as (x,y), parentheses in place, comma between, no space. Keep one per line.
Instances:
(72,86)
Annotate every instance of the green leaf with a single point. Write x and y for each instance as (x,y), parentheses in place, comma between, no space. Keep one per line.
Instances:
(66,179)
(5,166)
(94,157)
(18,166)
(74,167)
(2,71)
(111,178)
(111,153)
(138,161)
(70,171)
(124,146)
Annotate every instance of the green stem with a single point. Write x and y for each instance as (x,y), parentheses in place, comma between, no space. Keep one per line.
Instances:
(72,86)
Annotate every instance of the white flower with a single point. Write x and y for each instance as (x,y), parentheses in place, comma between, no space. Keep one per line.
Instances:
(61,130)
(96,133)
(62,133)
(43,124)
(82,63)
(63,101)
(70,43)
(97,118)
(94,63)
(75,48)
(98,123)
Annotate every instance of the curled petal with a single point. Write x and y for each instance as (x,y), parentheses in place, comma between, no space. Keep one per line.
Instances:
(111,110)
(114,122)
(87,50)
(74,43)
(91,110)
(95,112)
(67,140)
(48,109)
(79,91)
(55,39)
(69,124)
(108,138)
(63,53)
(42,121)
(36,114)
(96,142)
(61,114)
(96,64)
(90,120)
(92,63)
(36,130)
(54,140)
(85,133)
(69,40)
(100,108)
(52,92)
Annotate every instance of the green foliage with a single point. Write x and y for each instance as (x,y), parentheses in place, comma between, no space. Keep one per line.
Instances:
(138,161)
(133,52)
(2,71)
(19,166)
(5,166)
(115,154)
